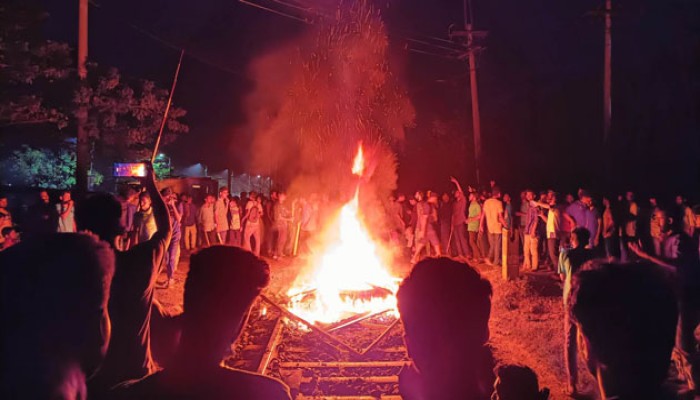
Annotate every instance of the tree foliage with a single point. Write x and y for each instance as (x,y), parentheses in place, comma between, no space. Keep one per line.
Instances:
(41,167)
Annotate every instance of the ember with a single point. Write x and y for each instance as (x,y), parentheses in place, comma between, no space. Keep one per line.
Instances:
(348,275)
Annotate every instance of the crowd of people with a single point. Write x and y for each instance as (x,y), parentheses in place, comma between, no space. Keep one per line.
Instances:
(81,321)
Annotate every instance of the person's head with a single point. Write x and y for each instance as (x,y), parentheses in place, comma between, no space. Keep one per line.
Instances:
(445,197)
(65,196)
(282,196)
(661,217)
(551,198)
(101,215)
(144,201)
(55,290)
(629,196)
(653,202)
(433,198)
(458,194)
(569,198)
(473,196)
(221,285)
(580,237)
(418,196)
(401,198)
(274,195)
(507,199)
(44,196)
(223,193)
(626,315)
(517,382)
(253,196)
(495,192)
(529,195)
(209,199)
(680,200)
(445,299)
(585,197)
(167,194)
(606,202)
(543,196)
(10,234)
(3,200)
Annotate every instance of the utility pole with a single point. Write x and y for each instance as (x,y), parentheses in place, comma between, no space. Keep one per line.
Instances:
(607,79)
(83,148)
(471,36)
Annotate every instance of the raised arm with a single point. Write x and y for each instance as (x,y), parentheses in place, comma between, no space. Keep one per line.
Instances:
(160,210)
(456,182)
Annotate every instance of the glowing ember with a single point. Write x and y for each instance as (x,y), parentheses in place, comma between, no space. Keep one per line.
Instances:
(349,276)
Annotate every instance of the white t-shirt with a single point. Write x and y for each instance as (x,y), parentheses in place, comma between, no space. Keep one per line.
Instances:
(492,209)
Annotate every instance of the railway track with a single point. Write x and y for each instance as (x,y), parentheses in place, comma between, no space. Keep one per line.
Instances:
(359,359)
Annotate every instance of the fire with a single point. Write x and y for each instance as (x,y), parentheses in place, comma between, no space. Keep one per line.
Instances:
(349,275)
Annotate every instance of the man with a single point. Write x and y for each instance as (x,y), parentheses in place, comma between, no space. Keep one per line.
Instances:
(144,221)
(42,216)
(207,220)
(66,213)
(473,224)
(459,219)
(10,237)
(221,216)
(175,213)
(221,286)
(524,207)
(630,211)
(56,327)
(426,229)
(627,315)
(679,255)
(283,219)
(531,242)
(133,286)
(493,216)
(552,231)
(571,261)
(189,222)
(252,221)
(445,223)
(5,215)
(686,216)
(396,222)
(445,299)
(582,213)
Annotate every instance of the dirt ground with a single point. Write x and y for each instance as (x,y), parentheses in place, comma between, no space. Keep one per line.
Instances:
(526,320)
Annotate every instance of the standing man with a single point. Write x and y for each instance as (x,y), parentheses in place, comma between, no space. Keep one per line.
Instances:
(459,219)
(221,216)
(5,215)
(66,213)
(445,222)
(552,231)
(493,214)
(207,221)
(43,215)
(283,219)
(252,222)
(189,222)
(531,240)
(175,213)
(473,223)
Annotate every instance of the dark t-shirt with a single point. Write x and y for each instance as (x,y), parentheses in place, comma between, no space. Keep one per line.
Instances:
(459,208)
(224,384)
(445,213)
(130,302)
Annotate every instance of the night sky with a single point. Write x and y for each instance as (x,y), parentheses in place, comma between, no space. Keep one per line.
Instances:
(540,83)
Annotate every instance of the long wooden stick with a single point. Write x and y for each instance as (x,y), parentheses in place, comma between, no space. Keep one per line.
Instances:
(167,107)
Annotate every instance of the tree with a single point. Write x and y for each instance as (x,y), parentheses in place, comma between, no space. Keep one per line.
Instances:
(40,87)
(40,167)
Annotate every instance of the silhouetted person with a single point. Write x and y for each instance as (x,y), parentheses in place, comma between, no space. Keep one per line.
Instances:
(55,325)
(133,286)
(517,382)
(445,307)
(220,288)
(571,261)
(627,316)
(42,216)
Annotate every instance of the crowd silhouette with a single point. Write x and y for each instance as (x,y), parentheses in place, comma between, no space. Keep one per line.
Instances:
(79,314)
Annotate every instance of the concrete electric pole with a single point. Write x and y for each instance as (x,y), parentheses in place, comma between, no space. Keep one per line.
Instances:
(471,37)
(83,147)
(607,79)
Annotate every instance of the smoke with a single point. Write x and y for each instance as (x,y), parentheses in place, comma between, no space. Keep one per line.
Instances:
(317,97)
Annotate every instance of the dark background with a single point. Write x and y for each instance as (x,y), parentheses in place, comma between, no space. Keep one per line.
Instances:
(540,85)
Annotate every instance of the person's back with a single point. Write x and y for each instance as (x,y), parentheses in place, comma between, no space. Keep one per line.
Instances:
(133,286)
(444,299)
(222,284)
(493,208)
(626,315)
(56,327)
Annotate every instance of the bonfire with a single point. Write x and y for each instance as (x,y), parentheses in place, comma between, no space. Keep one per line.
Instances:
(348,277)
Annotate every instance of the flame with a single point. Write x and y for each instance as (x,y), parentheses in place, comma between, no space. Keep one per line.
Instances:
(358,164)
(351,263)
